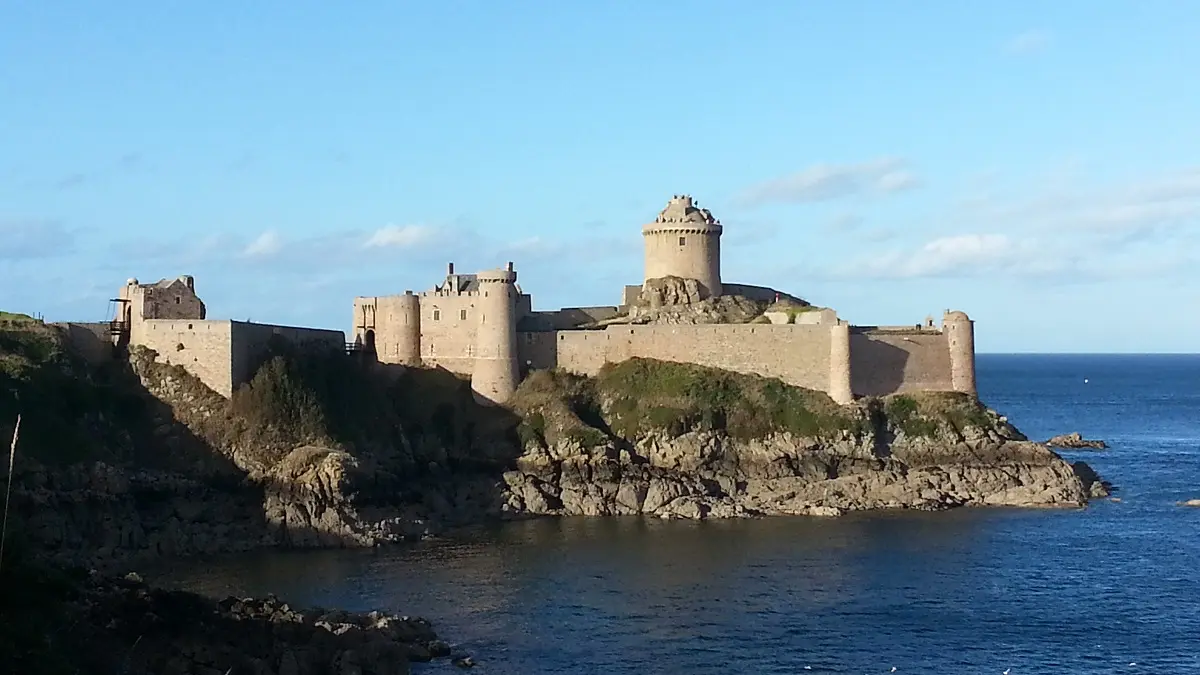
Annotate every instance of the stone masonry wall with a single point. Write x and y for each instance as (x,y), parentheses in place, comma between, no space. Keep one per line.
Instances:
(201,347)
(91,340)
(796,354)
(448,325)
(249,341)
(883,364)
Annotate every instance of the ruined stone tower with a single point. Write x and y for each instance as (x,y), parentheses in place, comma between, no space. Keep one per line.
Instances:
(685,241)
(960,335)
(495,373)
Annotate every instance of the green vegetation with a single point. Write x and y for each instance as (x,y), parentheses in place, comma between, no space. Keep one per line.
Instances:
(645,394)
(71,411)
(925,413)
(15,317)
(625,400)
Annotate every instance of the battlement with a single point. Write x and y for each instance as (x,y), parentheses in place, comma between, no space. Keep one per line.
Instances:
(504,276)
(482,325)
(683,209)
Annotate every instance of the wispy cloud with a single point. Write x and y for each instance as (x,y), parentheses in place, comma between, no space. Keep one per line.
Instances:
(127,163)
(824,182)
(34,239)
(1066,232)
(400,236)
(265,245)
(1029,42)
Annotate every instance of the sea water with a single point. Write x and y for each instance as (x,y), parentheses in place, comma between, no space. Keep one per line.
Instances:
(1114,588)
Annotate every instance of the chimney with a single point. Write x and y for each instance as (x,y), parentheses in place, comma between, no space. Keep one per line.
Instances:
(449,269)
(508,267)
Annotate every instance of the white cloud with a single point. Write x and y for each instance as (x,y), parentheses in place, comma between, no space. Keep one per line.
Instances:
(1163,206)
(1029,42)
(959,255)
(823,182)
(399,236)
(267,244)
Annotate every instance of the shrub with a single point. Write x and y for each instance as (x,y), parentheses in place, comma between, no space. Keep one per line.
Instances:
(644,394)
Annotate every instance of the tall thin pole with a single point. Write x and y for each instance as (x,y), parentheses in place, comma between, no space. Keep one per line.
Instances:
(12,455)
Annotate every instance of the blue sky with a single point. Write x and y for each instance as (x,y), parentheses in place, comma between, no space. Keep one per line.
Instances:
(1034,164)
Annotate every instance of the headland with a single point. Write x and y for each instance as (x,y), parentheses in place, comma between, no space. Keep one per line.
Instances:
(161,432)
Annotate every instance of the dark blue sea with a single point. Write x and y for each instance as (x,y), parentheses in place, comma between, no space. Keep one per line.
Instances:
(1114,588)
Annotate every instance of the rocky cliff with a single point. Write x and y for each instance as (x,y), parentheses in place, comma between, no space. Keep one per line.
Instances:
(674,440)
(122,462)
(140,460)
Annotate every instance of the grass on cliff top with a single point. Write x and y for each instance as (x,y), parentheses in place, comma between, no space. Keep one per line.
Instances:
(70,411)
(333,399)
(925,413)
(636,396)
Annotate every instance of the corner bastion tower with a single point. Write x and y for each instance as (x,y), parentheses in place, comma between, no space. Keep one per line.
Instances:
(496,373)
(685,241)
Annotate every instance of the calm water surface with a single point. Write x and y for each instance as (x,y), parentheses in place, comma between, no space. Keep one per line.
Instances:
(969,591)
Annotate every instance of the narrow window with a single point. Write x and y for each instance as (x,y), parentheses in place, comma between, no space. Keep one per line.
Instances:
(437,314)
(177,299)
(682,241)
(462,314)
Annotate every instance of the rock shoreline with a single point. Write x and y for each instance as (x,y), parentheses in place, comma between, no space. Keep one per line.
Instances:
(706,475)
(119,624)
(1075,441)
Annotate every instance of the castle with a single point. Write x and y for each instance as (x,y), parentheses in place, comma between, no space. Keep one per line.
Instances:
(483,326)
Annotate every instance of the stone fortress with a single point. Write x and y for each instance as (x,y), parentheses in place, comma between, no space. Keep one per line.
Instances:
(482,326)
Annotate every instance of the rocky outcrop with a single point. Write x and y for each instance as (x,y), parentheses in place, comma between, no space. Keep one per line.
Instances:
(675,301)
(669,292)
(1096,487)
(97,514)
(1075,441)
(710,475)
(680,441)
(122,625)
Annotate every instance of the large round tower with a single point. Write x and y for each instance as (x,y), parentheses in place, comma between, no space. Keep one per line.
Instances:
(494,376)
(960,339)
(407,322)
(685,241)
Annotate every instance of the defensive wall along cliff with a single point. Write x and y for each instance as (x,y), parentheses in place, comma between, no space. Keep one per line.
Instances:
(224,354)
(801,355)
(169,318)
(838,359)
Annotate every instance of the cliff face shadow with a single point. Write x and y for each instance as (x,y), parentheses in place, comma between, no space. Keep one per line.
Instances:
(106,474)
(423,447)
(457,448)
(876,367)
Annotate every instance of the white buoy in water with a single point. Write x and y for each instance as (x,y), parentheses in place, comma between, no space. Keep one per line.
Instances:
(1085,380)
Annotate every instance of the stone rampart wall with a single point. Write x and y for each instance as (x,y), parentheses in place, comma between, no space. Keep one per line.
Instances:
(201,347)
(798,355)
(249,343)
(93,341)
(883,364)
